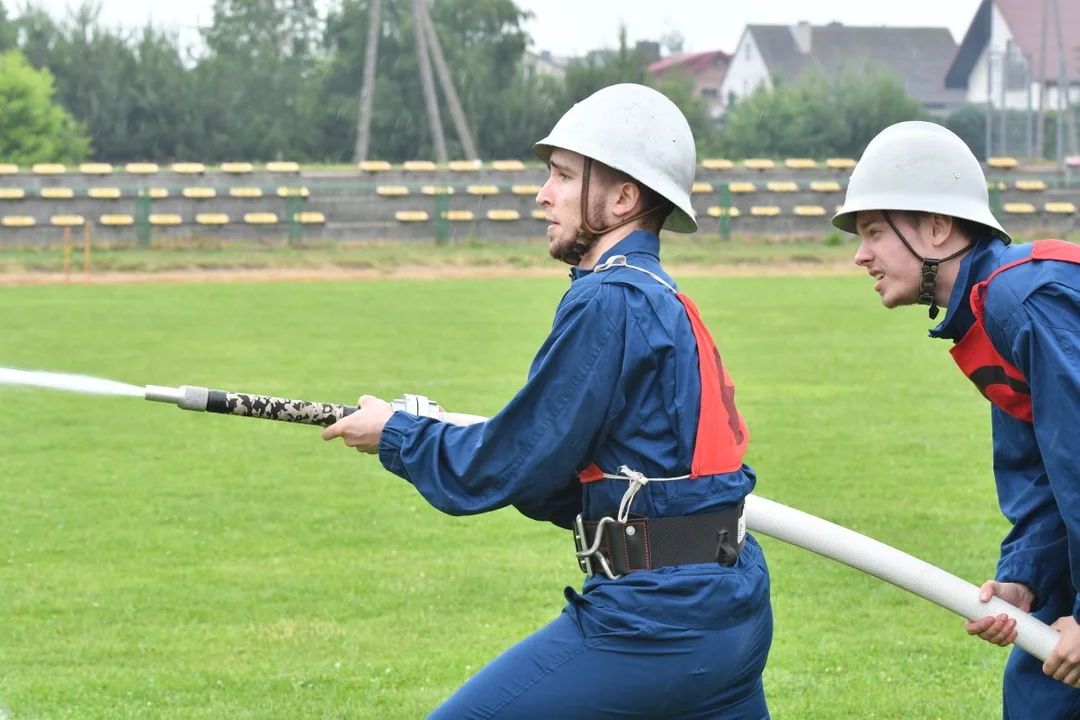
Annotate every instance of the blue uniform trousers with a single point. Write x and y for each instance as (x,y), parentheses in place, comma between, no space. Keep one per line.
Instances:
(585,665)
(1029,694)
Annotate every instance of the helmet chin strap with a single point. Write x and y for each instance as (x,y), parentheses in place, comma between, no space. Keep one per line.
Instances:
(929,269)
(586,231)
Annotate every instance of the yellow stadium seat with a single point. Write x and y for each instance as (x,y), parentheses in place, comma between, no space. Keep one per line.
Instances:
(309,218)
(57,193)
(437,190)
(67,220)
(759,164)
(717,164)
(188,168)
(48,169)
(18,221)
(482,190)
(539,214)
(717,212)
(503,215)
(507,165)
(458,215)
(1030,185)
(419,165)
(375,166)
(809,210)
(1019,208)
(282,166)
(292,192)
(165,219)
(104,193)
(96,169)
(1000,186)
(246,192)
(800,163)
(701,187)
(157,193)
(1063,208)
(766,210)
(116,220)
(212,219)
(237,168)
(526,189)
(411,216)
(463,165)
(782,187)
(742,187)
(199,193)
(840,163)
(1003,162)
(392,190)
(825,186)
(261,218)
(12,193)
(9,169)
(141,168)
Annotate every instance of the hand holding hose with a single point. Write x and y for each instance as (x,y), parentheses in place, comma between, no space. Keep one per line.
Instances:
(1000,629)
(363,428)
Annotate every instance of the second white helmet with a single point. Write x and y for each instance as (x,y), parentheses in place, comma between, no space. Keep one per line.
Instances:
(918,166)
(639,131)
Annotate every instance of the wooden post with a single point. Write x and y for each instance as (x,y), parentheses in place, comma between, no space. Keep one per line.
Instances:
(86,251)
(67,254)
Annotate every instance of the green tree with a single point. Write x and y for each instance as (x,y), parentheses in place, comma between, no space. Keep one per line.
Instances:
(254,95)
(819,114)
(32,128)
(9,31)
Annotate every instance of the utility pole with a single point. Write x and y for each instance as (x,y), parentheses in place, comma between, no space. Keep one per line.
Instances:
(429,83)
(458,115)
(1063,90)
(428,50)
(1040,127)
(367,92)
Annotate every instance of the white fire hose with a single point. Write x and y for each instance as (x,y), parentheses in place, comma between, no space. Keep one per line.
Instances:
(863,553)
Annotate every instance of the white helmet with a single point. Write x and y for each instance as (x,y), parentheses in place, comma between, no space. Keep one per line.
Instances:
(639,131)
(918,166)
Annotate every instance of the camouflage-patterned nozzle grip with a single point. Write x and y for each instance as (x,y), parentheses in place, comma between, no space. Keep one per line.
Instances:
(274,408)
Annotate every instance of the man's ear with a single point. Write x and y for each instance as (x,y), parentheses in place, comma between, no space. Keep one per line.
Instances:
(940,228)
(627,198)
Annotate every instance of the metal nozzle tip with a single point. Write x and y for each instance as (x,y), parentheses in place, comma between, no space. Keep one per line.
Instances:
(157,393)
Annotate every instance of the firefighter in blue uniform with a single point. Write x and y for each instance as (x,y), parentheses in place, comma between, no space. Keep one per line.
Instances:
(919,201)
(625,433)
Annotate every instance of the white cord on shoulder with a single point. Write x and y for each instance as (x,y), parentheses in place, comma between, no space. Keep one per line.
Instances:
(620,261)
(637,481)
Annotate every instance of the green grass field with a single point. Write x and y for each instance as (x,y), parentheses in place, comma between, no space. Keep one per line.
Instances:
(156,563)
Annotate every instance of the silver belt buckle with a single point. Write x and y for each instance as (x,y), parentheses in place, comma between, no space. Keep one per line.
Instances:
(583,558)
(585,555)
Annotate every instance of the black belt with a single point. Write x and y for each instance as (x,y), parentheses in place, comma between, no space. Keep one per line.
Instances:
(650,543)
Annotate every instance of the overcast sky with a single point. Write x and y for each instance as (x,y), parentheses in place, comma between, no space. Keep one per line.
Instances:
(573,27)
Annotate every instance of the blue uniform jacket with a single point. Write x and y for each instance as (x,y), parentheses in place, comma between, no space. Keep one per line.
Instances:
(616,382)
(1032,317)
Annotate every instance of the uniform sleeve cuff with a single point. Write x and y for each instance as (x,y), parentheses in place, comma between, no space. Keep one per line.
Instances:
(391,441)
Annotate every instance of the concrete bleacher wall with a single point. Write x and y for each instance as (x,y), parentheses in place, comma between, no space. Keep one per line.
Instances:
(418,201)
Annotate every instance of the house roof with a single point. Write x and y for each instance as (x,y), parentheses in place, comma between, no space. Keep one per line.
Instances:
(1024,18)
(692,62)
(919,55)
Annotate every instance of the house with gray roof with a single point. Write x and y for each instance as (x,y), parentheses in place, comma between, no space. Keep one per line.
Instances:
(919,56)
